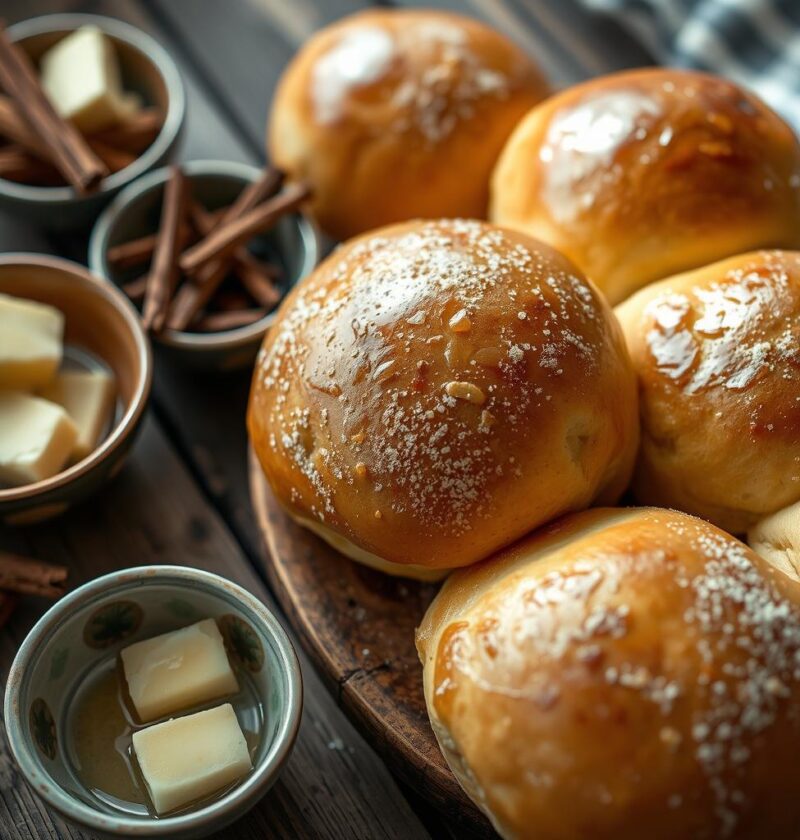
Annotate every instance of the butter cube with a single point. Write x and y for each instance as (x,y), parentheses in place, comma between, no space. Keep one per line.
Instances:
(81,77)
(31,336)
(177,670)
(184,759)
(88,397)
(36,438)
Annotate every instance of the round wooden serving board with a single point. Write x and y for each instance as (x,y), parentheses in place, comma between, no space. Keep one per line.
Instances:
(358,625)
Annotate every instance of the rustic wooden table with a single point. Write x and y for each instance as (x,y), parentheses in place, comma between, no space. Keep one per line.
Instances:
(183,496)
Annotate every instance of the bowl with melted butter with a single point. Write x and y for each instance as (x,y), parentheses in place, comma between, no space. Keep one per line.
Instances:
(154,702)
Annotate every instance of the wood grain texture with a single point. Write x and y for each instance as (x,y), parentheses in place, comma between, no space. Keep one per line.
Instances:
(153,513)
(334,779)
(358,624)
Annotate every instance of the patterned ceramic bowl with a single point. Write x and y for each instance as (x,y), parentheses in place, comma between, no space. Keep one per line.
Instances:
(102,330)
(80,637)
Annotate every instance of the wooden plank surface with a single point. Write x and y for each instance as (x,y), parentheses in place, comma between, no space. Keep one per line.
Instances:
(358,625)
(153,513)
(333,779)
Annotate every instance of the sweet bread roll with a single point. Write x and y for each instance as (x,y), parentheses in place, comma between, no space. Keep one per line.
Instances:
(622,674)
(777,539)
(434,390)
(392,115)
(643,174)
(717,354)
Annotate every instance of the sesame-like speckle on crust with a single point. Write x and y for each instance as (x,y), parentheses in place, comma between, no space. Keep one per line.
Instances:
(410,340)
(659,629)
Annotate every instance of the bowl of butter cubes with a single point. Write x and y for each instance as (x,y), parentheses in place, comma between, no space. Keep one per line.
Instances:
(123,102)
(75,378)
(159,701)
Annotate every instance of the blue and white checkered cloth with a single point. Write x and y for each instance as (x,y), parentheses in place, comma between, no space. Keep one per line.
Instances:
(754,42)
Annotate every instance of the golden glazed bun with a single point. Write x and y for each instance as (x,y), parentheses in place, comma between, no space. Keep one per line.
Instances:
(393,115)
(642,174)
(622,674)
(777,539)
(434,390)
(717,353)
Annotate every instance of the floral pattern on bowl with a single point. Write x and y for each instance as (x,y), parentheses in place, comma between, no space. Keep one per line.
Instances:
(43,728)
(112,623)
(241,642)
(86,628)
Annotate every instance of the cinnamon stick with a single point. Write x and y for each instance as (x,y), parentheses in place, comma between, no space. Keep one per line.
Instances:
(115,159)
(258,279)
(117,147)
(31,577)
(138,251)
(192,297)
(267,184)
(228,235)
(70,152)
(17,165)
(136,289)
(14,128)
(164,271)
(135,134)
(223,321)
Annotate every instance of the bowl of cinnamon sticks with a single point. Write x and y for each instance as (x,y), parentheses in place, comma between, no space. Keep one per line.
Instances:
(206,251)
(87,105)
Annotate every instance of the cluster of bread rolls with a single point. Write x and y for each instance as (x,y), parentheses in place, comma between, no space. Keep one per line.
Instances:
(438,389)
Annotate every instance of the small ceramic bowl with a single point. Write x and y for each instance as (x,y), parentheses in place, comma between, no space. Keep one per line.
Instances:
(147,70)
(293,243)
(83,633)
(102,329)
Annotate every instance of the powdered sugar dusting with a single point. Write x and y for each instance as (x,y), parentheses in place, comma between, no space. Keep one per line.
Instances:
(749,637)
(393,341)
(432,77)
(729,681)
(362,56)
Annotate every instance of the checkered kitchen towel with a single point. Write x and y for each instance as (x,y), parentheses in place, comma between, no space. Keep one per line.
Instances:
(754,42)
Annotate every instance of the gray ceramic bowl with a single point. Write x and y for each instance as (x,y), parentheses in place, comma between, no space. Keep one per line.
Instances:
(103,330)
(294,243)
(146,69)
(85,631)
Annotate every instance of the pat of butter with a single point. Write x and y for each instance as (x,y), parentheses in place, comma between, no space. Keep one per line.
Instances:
(36,438)
(82,79)
(184,759)
(88,397)
(31,337)
(177,670)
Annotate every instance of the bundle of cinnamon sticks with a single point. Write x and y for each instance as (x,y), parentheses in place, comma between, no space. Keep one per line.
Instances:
(201,275)
(23,576)
(43,148)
